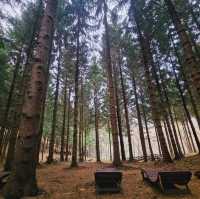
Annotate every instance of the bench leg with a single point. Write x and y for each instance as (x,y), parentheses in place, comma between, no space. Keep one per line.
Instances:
(142,175)
(161,184)
(187,188)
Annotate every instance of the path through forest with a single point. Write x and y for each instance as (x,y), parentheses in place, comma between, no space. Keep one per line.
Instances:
(60,182)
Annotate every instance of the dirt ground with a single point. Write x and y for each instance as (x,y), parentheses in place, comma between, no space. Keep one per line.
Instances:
(61,182)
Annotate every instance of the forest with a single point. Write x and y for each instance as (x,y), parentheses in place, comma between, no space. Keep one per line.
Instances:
(91,89)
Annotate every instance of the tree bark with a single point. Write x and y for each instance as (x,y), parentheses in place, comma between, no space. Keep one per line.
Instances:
(192,67)
(147,130)
(185,107)
(110,146)
(55,106)
(168,138)
(68,124)
(190,135)
(64,122)
(170,114)
(81,126)
(154,102)
(96,125)
(162,101)
(159,147)
(139,118)
(125,102)
(76,99)
(187,137)
(179,132)
(112,100)
(121,139)
(22,181)
(10,95)
(187,85)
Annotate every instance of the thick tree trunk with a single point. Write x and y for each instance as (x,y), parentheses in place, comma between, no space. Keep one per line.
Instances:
(112,100)
(43,109)
(139,118)
(22,181)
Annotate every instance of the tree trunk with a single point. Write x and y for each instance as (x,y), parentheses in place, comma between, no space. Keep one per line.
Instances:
(76,99)
(85,139)
(159,147)
(64,122)
(10,96)
(22,181)
(112,100)
(6,142)
(194,106)
(43,109)
(179,132)
(190,135)
(68,124)
(192,67)
(125,102)
(121,139)
(81,127)
(187,137)
(139,118)
(55,106)
(110,146)
(147,130)
(162,101)
(154,102)
(168,138)
(96,125)
(170,113)
(185,107)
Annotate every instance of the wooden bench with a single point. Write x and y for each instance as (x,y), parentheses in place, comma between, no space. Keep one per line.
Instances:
(108,180)
(167,179)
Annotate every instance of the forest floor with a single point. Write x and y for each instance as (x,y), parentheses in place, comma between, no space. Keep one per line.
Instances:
(61,182)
